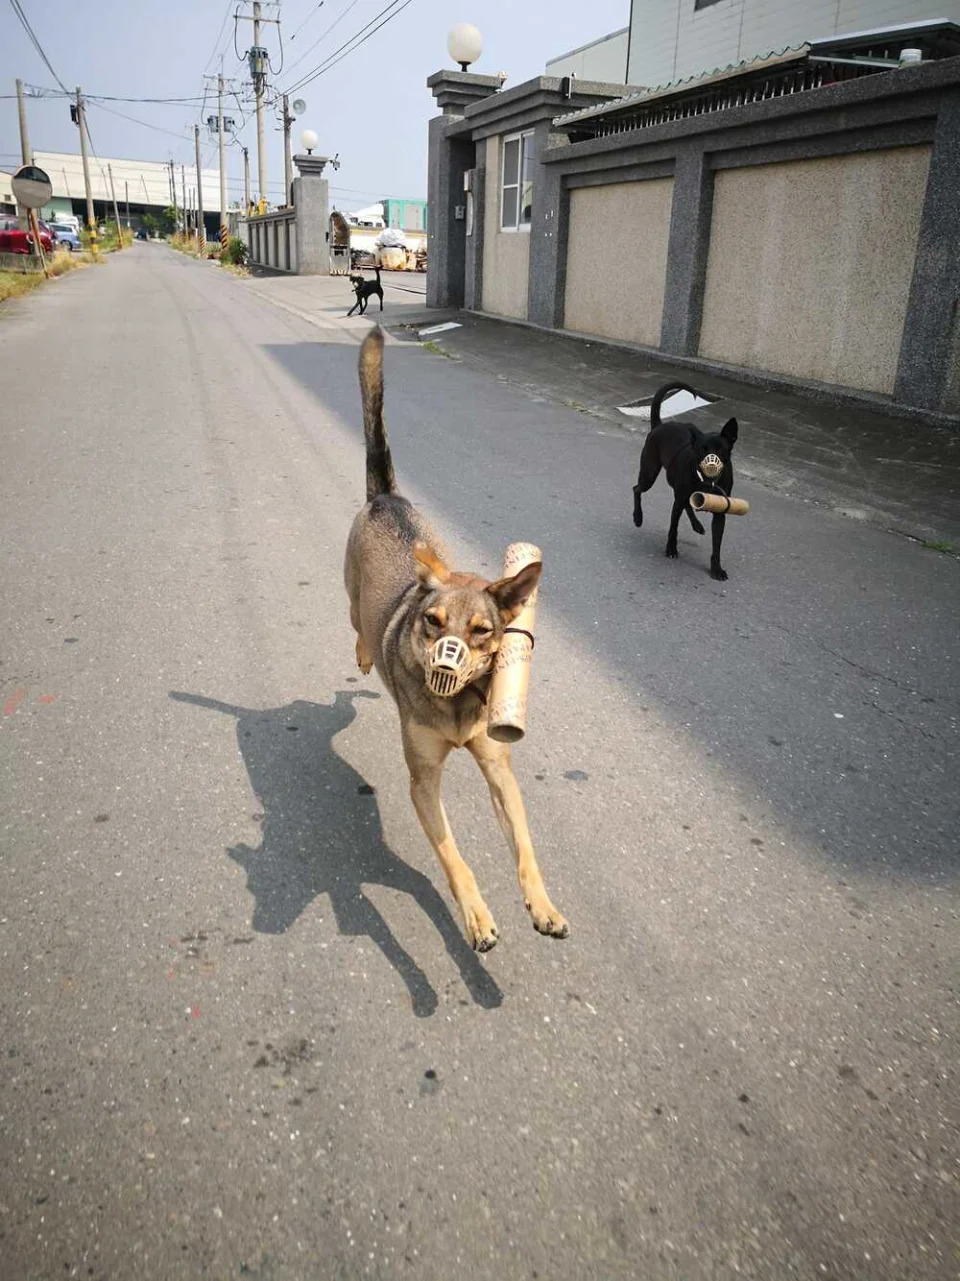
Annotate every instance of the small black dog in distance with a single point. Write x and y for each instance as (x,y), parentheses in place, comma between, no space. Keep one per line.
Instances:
(693,461)
(365,289)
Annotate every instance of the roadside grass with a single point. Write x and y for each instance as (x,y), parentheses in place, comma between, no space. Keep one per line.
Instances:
(14,284)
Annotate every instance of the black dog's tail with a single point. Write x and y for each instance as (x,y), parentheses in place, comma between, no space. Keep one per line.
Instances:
(661,396)
(380,477)
(376,268)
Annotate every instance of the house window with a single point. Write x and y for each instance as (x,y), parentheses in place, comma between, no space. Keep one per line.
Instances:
(516,187)
(703,4)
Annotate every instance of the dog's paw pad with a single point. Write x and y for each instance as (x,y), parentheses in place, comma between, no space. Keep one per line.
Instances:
(482,931)
(549,921)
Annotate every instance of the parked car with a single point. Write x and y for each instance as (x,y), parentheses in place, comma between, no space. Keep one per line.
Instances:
(142,233)
(13,240)
(70,221)
(67,239)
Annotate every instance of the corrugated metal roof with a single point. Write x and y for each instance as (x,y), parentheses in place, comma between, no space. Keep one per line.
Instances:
(772,59)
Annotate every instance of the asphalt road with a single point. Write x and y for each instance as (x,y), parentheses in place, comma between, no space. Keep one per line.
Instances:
(240,1031)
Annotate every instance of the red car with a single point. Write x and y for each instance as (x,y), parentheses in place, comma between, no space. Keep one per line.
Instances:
(15,241)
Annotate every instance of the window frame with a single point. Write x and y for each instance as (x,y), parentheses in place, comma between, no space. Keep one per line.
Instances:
(525,138)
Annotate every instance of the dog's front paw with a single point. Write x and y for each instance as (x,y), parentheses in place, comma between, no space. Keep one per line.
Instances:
(482,933)
(719,574)
(546,919)
(671,552)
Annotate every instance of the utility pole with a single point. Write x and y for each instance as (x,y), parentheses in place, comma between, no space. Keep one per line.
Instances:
(201,229)
(183,189)
(257,59)
(25,153)
(258,86)
(116,211)
(287,153)
(126,186)
(82,123)
(223,165)
(246,178)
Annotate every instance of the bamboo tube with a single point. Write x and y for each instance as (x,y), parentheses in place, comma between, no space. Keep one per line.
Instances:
(507,697)
(717,503)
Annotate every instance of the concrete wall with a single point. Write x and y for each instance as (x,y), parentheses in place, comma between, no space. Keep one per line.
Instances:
(617,259)
(604,60)
(506,254)
(671,39)
(810,265)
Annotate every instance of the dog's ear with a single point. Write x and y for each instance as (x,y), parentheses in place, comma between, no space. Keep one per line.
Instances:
(730,432)
(432,573)
(511,594)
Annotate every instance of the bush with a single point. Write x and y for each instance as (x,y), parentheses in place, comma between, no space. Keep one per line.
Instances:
(235,253)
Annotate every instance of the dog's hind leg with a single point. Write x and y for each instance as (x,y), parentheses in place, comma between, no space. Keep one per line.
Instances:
(364,660)
(426,752)
(649,471)
(364,657)
(494,761)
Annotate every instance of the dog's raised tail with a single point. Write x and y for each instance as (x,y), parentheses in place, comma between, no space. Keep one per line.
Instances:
(380,477)
(661,396)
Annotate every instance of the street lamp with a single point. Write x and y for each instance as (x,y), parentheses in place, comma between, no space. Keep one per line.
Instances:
(464,44)
(308,140)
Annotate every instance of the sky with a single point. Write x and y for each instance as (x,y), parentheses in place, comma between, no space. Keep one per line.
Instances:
(371,108)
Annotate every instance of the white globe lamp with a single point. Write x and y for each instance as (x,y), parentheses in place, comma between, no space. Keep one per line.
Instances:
(464,44)
(308,140)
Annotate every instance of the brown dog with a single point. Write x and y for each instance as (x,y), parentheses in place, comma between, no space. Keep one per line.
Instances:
(404,601)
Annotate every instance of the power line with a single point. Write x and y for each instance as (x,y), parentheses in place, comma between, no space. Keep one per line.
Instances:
(312,14)
(133,120)
(42,91)
(332,61)
(18,10)
(323,36)
(216,43)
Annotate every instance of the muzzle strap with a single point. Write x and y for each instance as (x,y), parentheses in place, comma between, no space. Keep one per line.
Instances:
(521,631)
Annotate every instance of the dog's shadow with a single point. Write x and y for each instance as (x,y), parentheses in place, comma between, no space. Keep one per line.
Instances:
(322,835)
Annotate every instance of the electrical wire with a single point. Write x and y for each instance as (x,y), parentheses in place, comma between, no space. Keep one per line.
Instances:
(279,70)
(312,14)
(133,120)
(323,36)
(216,43)
(18,10)
(332,61)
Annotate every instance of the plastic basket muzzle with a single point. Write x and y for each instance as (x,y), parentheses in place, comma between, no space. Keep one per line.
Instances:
(451,666)
(711,466)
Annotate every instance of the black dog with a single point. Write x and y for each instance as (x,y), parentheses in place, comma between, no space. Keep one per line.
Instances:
(693,461)
(365,289)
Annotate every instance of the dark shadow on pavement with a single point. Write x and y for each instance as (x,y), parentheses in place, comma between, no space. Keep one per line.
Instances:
(322,835)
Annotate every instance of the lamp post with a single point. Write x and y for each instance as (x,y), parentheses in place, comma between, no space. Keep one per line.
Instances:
(464,44)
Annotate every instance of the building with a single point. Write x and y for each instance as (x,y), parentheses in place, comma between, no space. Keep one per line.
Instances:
(405,215)
(793,220)
(669,40)
(142,185)
(7,203)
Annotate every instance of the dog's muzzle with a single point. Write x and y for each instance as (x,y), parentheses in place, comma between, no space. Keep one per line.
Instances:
(711,466)
(451,666)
